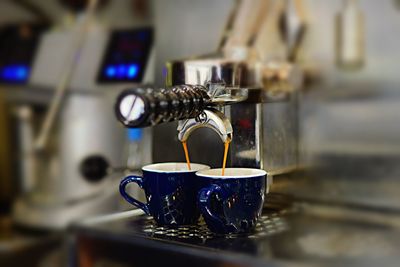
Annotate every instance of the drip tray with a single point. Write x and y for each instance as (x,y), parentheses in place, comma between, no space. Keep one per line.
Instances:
(267,225)
(135,235)
(134,224)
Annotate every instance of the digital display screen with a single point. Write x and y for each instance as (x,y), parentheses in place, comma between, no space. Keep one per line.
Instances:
(17,49)
(126,56)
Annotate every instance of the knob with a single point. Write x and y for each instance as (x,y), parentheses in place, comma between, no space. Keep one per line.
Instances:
(141,107)
(94,168)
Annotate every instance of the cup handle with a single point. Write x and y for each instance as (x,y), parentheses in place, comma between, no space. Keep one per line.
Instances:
(122,189)
(204,201)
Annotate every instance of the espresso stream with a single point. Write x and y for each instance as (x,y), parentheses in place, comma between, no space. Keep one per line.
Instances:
(226,145)
(184,144)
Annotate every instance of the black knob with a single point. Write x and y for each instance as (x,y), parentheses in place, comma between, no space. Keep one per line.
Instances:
(94,168)
(144,107)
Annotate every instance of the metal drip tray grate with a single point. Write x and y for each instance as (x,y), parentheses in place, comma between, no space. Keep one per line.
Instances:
(134,226)
(268,224)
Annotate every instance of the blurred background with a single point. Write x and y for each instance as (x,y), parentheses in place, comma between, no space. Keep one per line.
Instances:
(64,62)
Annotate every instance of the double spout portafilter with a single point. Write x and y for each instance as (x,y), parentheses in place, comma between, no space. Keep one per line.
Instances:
(189,104)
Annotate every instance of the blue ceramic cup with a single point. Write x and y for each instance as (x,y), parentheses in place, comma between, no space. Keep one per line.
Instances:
(231,204)
(171,192)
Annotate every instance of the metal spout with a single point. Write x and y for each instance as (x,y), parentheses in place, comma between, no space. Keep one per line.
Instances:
(210,118)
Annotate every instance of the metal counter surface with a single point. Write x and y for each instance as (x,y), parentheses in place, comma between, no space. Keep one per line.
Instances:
(300,235)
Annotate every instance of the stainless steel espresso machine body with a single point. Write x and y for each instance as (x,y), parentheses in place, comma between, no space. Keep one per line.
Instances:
(260,101)
(231,107)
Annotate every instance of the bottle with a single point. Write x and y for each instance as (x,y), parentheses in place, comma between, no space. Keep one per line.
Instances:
(350,39)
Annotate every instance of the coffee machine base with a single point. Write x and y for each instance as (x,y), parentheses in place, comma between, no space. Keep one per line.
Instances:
(59,215)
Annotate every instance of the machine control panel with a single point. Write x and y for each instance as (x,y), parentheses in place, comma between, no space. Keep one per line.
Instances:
(126,56)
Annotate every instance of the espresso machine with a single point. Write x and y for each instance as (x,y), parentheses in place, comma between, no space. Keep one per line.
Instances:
(248,101)
(332,148)
(71,149)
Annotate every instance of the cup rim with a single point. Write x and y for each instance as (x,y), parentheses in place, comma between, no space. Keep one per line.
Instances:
(155,167)
(255,173)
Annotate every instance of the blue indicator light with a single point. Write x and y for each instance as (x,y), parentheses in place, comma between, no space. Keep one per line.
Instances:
(110,71)
(132,71)
(121,71)
(7,74)
(14,73)
(135,134)
(21,73)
